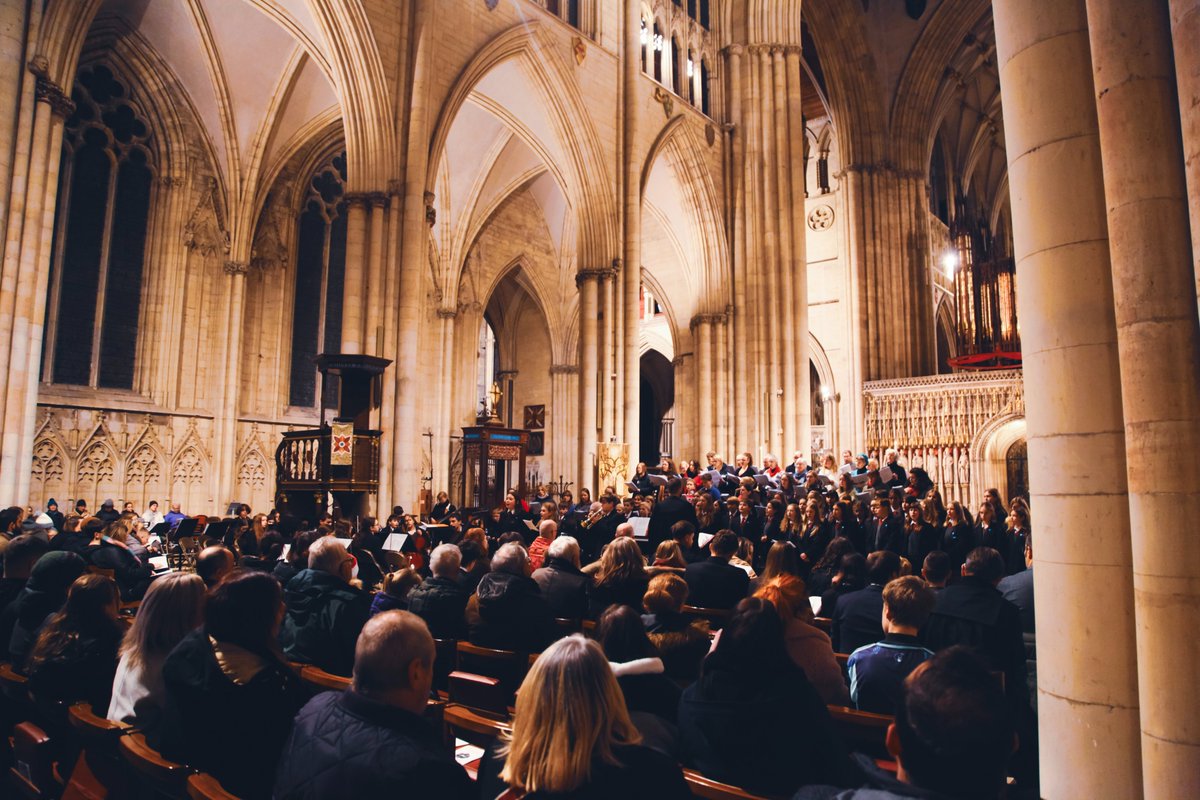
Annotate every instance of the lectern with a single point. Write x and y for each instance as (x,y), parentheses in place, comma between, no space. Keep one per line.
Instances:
(340,458)
(483,447)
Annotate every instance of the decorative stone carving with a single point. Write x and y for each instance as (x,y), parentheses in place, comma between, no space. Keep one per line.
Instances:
(269,250)
(661,95)
(204,234)
(821,218)
(579,49)
(236,267)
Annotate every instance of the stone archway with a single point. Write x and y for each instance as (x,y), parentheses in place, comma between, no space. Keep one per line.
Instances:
(990,457)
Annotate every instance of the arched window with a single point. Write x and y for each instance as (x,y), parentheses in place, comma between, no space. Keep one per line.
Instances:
(704,104)
(691,8)
(573,13)
(645,43)
(677,77)
(939,203)
(320,273)
(105,189)
(704,14)
(817,407)
(658,46)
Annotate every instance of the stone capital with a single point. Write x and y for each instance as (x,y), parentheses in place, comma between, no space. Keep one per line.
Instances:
(509,374)
(705,319)
(735,50)
(378,199)
(236,267)
(447,313)
(564,369)
(357,199)
(50,93)
(593,273)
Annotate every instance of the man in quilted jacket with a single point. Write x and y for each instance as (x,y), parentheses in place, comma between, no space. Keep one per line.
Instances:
(371,739)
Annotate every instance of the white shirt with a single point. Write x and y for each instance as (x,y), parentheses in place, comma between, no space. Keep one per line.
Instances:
(139,694)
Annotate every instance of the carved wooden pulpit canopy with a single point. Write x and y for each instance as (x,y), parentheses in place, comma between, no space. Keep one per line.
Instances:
(483,447)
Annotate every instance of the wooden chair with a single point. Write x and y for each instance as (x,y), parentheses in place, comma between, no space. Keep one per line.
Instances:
(716,617)
(444,661)
(15,688)
(32,774)
(568,626)
(822,623)
(479,693)
(167,777)
(862,730)
(709,789)
(203,786)
(507,666)
(99,770)
(321,680)
(471,726)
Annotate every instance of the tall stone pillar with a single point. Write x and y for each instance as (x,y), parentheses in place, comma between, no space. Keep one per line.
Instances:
(631,275)
(1185,32)
(373,301)
(588,363)
(391,304)
(605,384)
(354,288)
(13,19)
(1158,335)
(702,333)
(226,421)
(561,422)
(1087,684)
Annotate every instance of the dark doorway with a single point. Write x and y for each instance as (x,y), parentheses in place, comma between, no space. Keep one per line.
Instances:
(658,395)
(1016,463)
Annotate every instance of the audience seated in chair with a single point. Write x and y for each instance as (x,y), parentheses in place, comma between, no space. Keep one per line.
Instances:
(621,577)
(44,594)
(110,550)
(952,738)
(561,580)
(19,557)
(572,736)
(172,608)
(77,541)
(507,611)
(371,740)
(325,611)
(682,641)
(637,664)
(296,558)
(808,647)
(714,582)
(857,618)
(230,696)
(214,563)
(441,601)
(753,719)
(396,591)
(75,655)
(877,671)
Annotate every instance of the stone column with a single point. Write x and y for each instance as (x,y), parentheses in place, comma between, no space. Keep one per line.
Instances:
(13,19)
(391,304)
(740,429)
(354,288)
(1158,335)
(797,331)
(374,295)
(631,275)
(226,421)
(606,385)
(702,325)
(720,367)
(1087,684)
(1185,32)
(588,363)
(561,416)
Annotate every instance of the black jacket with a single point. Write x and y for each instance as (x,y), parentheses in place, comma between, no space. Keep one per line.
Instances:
(84,670)
(682,643)
(644,774)
(957,541)
(715,583)
(234,732)
(72,542)
(324,617)
(628,592)
(512,615)
(887,536)
(132,576)
(442,603)
(344,745)
(564,588)
(667,513)
(858,619)
(768,735)
(749,528)
(921,543)
(973,612)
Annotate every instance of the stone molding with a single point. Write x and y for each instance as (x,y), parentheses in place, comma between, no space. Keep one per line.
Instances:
(236,267)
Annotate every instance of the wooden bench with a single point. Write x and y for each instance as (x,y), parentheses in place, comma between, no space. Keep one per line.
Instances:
(822,623)
(709,789)
(323,681)
(861,730)
(508,666)
(99,770)
(33,774)
(473,727)
(444,662)
(479,693)
(166,776)
(203,786)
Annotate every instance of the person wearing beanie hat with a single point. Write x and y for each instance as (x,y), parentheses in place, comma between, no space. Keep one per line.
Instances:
(44,593)
(56,516)
(108,512)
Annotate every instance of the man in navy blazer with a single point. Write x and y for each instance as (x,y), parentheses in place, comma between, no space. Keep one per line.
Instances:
(714,582)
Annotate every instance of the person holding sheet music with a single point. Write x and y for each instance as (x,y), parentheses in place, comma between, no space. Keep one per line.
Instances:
(641,483)
(672,509)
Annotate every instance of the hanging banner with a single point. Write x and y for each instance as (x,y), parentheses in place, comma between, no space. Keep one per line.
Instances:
(341,449)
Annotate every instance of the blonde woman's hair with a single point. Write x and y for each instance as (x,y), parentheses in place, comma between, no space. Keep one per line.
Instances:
(570,712)
(172,608)
(621,560)
(668,554)
(666,594)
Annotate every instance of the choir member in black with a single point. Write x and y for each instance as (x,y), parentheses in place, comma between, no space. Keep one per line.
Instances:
(744,469)
(512,518)
(746,523)
(885,532)
(603,529)
(815,537)
(989,529)
(710,515)
(442,508)
(641,479)
(923,537)
(958,537)
(1018,533)
(843,523)
(820,577)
